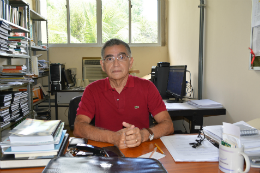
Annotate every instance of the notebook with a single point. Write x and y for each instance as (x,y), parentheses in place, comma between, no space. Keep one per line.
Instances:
(247,130)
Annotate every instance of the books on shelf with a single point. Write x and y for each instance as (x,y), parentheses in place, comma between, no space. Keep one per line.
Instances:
(14,70)
(205,103)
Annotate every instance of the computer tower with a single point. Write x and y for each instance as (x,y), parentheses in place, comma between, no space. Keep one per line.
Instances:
(57,76)
(159,76)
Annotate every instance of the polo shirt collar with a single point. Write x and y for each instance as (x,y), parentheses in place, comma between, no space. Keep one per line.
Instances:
(129,83)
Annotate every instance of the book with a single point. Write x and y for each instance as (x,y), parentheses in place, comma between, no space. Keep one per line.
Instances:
(12,161)
(247,130)
(9,161)
(103,164)
(5,104)
(35,146)
(33,130)
(8,150)
(5,97)
(205,103)
(16,67)
(50,153)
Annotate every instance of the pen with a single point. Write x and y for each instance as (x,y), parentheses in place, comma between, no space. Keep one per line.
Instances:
(159,148)
(153,152)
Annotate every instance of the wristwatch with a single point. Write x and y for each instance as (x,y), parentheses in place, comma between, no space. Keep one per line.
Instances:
(151,134)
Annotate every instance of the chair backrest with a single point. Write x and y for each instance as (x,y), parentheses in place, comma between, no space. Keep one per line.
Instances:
(73,106)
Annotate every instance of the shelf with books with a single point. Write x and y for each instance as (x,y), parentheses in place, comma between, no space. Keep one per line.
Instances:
(37,48)
(16,36)
(35,16)
(11,124)
(42,100)
(16,28)
(6,55)
(41,76)
(18,2)
(5,86)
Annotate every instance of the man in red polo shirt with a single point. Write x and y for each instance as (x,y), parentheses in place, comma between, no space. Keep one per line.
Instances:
(121,103)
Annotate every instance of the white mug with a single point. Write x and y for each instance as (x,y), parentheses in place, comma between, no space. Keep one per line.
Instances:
(231,160)
(86,82)
(79,82)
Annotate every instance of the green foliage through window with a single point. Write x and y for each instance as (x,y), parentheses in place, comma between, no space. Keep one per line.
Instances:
(115,21)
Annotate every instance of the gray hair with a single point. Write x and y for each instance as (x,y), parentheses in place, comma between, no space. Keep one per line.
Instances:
(115,41)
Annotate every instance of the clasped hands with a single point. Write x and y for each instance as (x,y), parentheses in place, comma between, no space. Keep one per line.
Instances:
(128,137)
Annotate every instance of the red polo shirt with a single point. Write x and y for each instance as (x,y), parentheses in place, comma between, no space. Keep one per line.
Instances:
(132,105)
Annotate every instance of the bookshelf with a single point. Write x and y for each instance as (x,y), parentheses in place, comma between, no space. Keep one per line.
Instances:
(35,17)
(8,59)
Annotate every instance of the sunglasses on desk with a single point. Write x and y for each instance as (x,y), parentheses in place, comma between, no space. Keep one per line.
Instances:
(201,137)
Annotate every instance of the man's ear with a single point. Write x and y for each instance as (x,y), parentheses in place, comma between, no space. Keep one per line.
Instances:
(102,65)
(131,62)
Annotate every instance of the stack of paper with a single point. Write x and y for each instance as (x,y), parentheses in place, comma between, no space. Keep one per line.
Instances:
(181,150)
(205,103)
(251,143)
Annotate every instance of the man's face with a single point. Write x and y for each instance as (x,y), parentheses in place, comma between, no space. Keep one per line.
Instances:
(116,69)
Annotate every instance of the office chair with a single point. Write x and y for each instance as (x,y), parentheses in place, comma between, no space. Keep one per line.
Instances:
(73,106)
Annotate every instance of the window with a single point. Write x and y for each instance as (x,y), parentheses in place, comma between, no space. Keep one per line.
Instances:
(93,22)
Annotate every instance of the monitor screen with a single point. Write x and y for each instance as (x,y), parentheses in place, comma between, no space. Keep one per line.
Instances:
(176,87)
(68,78)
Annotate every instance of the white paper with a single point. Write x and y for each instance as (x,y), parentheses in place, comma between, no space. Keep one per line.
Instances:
(177,106)
(231,129)
(251,143)
(182,151)
(155,155)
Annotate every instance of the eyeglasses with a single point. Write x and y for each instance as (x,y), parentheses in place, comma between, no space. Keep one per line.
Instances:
(198,142)
(111,58)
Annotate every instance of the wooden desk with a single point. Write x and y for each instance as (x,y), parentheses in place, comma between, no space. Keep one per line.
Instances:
(167,161)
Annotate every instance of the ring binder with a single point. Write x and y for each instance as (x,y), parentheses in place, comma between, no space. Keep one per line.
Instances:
(247,130)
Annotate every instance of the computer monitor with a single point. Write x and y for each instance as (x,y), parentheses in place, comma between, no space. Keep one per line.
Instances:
(176,87)
(68,78)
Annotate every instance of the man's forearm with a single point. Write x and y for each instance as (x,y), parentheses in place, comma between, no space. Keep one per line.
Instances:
(159,130)
(85,130)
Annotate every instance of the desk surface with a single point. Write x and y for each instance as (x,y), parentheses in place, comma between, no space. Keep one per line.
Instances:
(167,161)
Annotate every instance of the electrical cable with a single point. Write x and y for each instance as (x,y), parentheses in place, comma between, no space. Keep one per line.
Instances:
(184,125)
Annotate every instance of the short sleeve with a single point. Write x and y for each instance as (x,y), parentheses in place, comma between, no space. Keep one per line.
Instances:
(155,102)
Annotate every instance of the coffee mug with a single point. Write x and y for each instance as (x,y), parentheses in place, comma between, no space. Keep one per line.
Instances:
(232,159)
(79,82)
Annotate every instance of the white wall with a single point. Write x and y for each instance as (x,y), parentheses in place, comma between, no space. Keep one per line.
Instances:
(227,77)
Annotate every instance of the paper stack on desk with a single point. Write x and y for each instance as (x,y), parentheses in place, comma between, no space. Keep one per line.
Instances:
(181,150)
(251,143)
(205,103)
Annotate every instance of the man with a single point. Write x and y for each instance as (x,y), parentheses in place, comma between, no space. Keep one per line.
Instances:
(121,103)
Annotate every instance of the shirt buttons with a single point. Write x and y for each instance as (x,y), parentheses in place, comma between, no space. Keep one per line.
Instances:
(117,99)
